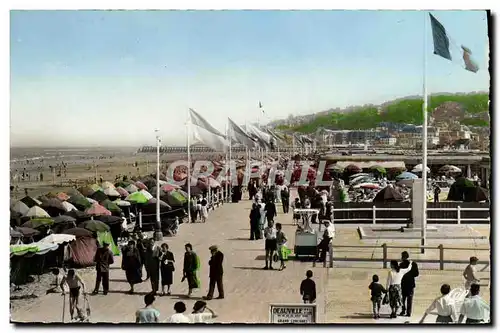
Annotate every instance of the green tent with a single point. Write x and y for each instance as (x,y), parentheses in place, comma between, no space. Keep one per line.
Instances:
(137,197)
(105,237)
(111,206)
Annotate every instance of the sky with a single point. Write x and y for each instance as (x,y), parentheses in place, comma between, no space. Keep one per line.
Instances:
(101,78)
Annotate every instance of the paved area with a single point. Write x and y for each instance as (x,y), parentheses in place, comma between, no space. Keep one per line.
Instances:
(343,295)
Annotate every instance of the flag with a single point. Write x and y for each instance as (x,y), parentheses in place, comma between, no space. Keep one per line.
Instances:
(260,107)
(236,133)
(470,65)
(443,48)
(205,133)
(263,139)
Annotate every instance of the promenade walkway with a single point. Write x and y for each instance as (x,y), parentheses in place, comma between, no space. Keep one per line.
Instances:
(343,295)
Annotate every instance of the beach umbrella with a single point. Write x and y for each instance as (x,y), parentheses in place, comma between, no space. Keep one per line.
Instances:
(72,192)
(163,182)
(131,188)
(137,197)
(388,193)
(352,168)
(153,201)
(94,226)
(122,203)
(78,232)
(53,203)
(141,185)
(449,169)
(110,219)
(62,196)
(30,202)
(362,179)
(122,191)
(213,183)
(358,174)
(58,239)
(335,168)
(406,176)
(368,185)
(77,215)
(38,222)
(111,192)
(15,234)
(476,194)
(27,232)
(107,185)
(19,207)
(195,191)
(123,183)
(99,196)
(111,206)
(418,168)
(378,169)
(168,187)
(146,194)
(96,210)
(86,191)
(148,182)
(91,201)
(176,199)
(95,187)
(68,206)
(79,202)
(63,219)
(36,211)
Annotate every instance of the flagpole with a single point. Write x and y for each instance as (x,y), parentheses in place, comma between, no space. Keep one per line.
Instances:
(424,143)
(158,235)
(230,157)
(226,168)
(188,180)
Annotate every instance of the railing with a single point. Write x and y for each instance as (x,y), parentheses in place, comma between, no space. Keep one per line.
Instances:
(385,256)
(374,209)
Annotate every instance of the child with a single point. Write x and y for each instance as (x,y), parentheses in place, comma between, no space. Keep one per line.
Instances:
(308,288)
(377,291)
(281,241)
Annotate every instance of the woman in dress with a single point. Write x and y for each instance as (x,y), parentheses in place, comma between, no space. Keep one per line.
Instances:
(394,285)
(191,266)
(132,265)
(167,268)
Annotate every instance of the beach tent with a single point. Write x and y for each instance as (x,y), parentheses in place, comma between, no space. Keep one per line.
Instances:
(58,239)
(111,192)
(106,237)
(107,185)
(122,191)
(111,206)
(79,202)
(30,259)
(86,191)
(388,193)
(419,168)
(30,202)
(68,207)
(82,250)
(131,188)
(176,199)
(146,194)
(141,185)
(19,207)
(36,211)
(137,197)
(98,196)
(96,210)
(406,175)
(168,188)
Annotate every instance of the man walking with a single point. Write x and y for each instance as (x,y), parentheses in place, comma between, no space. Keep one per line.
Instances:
(216,273)
(474,308)
(103,259)
(285,199)
(407,284)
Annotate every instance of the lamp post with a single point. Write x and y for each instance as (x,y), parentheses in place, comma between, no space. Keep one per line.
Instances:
(158,235)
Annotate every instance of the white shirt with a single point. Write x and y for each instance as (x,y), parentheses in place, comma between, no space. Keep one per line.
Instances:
(444,306)
(331,231)
(200,317)
(270,233)
(395,277)
(179,318)
(475,307)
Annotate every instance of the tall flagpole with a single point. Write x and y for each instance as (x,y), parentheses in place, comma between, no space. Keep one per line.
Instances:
(227,167)
(188,179)
(424,143)
(158,235)
(230,158)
